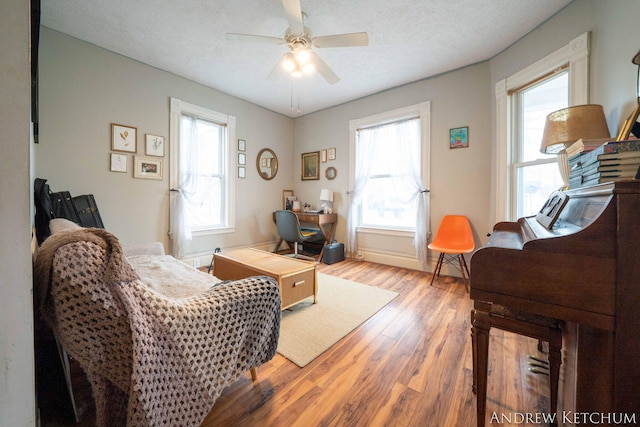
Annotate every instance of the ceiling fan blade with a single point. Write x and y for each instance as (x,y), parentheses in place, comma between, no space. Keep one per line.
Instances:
(324,70)
(277,71)
(294,15)
(253,38)
(342,40)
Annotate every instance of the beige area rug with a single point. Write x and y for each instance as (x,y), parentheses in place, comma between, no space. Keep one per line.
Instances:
(307,330)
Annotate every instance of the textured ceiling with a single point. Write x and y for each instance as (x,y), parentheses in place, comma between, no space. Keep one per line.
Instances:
(408,40)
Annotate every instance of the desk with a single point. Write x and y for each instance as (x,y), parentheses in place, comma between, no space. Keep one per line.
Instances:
(326,223)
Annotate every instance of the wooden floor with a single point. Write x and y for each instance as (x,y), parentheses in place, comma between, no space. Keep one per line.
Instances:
(409,365)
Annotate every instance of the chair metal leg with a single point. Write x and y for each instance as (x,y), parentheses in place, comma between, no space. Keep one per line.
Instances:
(463,268)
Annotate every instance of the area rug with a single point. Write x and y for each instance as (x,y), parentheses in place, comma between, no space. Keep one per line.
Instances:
(307,330)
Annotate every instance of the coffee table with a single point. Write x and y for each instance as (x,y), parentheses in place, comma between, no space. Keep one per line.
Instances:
(296,278)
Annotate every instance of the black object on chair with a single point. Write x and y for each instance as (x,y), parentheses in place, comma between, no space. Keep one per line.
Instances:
(289,230)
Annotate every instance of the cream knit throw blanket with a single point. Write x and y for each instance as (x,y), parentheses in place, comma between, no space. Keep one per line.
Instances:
(151,359)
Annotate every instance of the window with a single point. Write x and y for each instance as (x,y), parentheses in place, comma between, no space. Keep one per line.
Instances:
(391,155)
(201,180)
(524,176)
(388,193)
(202,166)
(536,174)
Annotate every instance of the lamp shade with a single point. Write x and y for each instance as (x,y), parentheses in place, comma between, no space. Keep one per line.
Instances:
(566,126)
(326,195)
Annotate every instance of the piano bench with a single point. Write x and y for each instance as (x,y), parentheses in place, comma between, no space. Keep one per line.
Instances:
(485,316)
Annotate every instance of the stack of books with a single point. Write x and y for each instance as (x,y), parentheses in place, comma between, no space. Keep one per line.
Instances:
(608,162)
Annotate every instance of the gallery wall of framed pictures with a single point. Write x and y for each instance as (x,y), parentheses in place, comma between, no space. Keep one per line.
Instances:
(124,145)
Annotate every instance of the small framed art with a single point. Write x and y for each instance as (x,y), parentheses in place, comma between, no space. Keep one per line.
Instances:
(147,168)
(459,137)
(124,138)
(118,162)
(311,166)
(242,172)
(287,199)
(242,159)
(323,156)
(331,153)
(154,145)
(241,144)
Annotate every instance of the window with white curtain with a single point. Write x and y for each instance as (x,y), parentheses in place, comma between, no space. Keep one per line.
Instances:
(387,186)
(202,199)
(391,156)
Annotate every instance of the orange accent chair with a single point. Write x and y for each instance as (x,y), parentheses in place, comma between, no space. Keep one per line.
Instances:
(453,239)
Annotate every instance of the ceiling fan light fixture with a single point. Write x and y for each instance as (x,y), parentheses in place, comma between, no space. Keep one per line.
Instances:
(289,62)
(302,56)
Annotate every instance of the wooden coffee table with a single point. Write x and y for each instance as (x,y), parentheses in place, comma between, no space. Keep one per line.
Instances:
(296,278)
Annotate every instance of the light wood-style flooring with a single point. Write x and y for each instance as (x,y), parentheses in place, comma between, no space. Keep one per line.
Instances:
(409,365)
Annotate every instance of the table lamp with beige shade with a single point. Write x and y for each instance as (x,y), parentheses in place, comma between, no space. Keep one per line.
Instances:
(585,125)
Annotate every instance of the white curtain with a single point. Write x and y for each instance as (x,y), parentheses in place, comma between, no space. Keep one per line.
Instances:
(402,163)
(190,191)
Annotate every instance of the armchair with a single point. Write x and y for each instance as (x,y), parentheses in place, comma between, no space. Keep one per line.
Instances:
(151,358)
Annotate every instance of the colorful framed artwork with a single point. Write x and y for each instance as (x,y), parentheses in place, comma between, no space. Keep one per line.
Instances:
(311,166)
(118,162)
(154,145)
(459,137)
(124,138)
(147,168)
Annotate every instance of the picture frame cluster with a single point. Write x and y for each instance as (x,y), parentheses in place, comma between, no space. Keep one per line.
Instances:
(124,141)
(310,168)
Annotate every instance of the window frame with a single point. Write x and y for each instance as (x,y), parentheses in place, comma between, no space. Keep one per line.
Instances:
(421,111)
(180,108)
(574,56)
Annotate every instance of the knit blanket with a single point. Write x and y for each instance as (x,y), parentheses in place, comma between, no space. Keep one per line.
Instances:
(151,359)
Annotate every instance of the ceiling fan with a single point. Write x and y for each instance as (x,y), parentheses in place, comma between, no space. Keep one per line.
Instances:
(301,59)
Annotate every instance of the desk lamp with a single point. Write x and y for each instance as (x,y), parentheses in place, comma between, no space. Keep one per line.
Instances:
(326,200)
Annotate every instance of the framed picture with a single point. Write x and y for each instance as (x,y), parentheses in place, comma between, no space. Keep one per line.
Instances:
(124,138)
(147,168)
(287,199)
(311,166)
(242,172)
(242,159)
(118,162)
(241,144)
(323,156)
(154,145)
(459,137)
(331,153)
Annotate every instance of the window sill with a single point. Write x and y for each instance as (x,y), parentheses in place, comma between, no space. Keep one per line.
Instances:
(396,232)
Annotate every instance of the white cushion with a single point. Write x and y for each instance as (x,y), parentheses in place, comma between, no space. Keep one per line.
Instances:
(60,224)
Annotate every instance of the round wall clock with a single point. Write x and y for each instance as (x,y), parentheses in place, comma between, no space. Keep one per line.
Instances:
(330,172)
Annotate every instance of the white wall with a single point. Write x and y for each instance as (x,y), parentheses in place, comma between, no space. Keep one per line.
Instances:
(83,89)
(17,389)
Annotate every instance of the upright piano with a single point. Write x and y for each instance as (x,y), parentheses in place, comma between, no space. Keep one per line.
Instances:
(584,270)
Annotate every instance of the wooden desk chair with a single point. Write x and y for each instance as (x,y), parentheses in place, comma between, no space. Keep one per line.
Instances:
(453,239)
(485,316)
